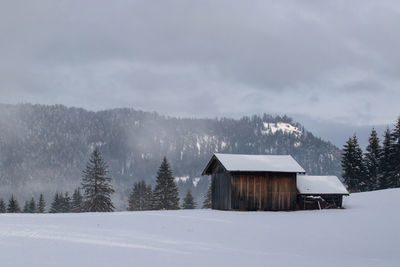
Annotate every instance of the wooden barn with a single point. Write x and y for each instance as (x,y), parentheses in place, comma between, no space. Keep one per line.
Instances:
(269,182)
(253,182)
(320,192)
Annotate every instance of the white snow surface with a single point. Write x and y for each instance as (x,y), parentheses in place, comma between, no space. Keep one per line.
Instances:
(311,184)
(196,180)
(366,233)
(272,163)
(287,128)
(183,179)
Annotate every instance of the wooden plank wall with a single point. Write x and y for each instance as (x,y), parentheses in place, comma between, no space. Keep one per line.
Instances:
(221,189)
(263,191)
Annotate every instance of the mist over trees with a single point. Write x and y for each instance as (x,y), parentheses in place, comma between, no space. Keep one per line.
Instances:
(51,144)
(98,189)
(378,168)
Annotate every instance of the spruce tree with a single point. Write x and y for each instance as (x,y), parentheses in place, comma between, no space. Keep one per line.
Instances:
(166,195)
(395,154)
(96,185)
(372,160)
(41,205)
(149,198)
(65,203)
(13,206)
(32,206)
(354,173)
(76,205)
(385,165)
(360,169)
(56,204)
(188,201)
(135,197)
(207,204)
(26,207)
(141,197)
(2,206)
(347,166)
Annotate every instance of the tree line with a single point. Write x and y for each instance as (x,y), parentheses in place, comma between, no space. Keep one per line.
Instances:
(29,207)
(165,194)
(377,168)
(96,189)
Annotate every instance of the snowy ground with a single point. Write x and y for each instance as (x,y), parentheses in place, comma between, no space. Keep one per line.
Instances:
(365,234)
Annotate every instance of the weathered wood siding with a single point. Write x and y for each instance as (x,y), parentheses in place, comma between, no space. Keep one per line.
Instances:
(221,189)
(263,191)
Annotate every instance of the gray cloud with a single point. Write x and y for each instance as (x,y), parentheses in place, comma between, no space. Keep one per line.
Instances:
(330,60)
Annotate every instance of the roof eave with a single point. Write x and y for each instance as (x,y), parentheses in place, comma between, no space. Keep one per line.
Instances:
(206,171)
(297,172)
(312,194)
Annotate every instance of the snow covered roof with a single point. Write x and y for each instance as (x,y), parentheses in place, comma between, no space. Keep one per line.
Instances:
(307,184)
(255,163)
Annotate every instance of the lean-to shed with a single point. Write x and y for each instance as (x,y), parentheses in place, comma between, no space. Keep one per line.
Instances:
(253,182)
(316,192)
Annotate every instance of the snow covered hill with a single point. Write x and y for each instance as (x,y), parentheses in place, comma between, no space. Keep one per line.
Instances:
(43,149)
(364,234)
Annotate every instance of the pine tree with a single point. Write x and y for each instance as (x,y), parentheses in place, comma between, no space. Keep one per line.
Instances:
(166,195)
(371,161)
(385,165)
(76,205)
(32,206)
(395,154)
(41,205)
(354,173)
(141,197)
(2,206)
(26,207)
(96,185)
(56,204)
(207,204)
(188,201)
(13,206)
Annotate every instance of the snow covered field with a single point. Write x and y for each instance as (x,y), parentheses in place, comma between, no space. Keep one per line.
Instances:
(365,234)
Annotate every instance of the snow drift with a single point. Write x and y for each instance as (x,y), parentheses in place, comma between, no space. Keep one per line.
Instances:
(364,234)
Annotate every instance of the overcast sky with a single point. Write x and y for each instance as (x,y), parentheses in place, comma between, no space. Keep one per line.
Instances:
(327,60)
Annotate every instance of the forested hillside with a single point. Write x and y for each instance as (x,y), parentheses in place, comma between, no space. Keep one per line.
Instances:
(45,148)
